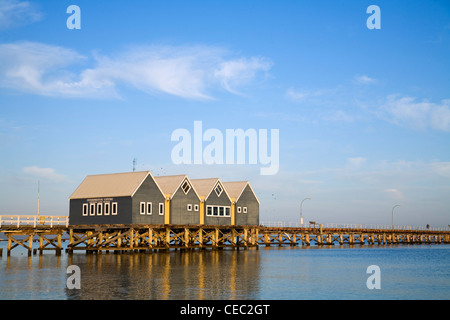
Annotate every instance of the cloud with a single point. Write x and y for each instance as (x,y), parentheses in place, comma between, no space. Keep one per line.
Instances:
(38,68)
(310,95)
(340,116)
(14,13)
(356,162)
(363,79)
(395,194)
(419,115)
(184,71)
(44,173)
(441,168)
(241,71)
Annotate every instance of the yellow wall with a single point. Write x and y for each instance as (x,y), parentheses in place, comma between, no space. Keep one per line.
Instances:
(202,211)
(233,211)
(167,210)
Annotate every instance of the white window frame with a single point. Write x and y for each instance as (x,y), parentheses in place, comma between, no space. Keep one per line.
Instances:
(161,208)
(214,211)
(221,189)
(107,209)
(196,207)
(188,187)
(189,207)
(114,208)
(85,209)
(99,208)
(142,208)
(244,210)
(239,209)
(92,206)
(149,205)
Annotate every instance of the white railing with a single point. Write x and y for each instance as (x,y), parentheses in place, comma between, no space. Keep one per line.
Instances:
(284,224)
(29,220)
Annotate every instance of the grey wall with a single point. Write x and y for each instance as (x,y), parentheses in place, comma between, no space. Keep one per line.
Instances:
(148,192)
(178,208)
(123,212)
(223,200)
(248,200)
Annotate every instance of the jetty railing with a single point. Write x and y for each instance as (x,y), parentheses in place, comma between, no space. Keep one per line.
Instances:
(290,224)
(33,220)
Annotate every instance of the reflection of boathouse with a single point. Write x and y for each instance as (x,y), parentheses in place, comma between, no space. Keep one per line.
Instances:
(186,275)
(140,198)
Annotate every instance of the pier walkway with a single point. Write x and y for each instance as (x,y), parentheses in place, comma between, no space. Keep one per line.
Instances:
(51,231)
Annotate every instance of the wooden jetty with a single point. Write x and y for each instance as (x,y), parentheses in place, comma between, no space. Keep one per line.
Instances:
(51,232)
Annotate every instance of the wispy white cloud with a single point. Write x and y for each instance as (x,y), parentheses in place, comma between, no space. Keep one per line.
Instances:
(441,168)
(419,115)
(395,194)
(45,173)
(39,68)
(14,13)
(340,116)
(241,71)
(357,161)
(363,79)
(185,71)
(300,95)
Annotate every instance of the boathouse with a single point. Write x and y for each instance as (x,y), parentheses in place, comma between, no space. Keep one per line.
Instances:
(120,198)
(141,198)
(184,202)
(216,201)
(245,202)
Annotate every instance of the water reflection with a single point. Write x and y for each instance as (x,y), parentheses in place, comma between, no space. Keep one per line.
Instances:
(192,275)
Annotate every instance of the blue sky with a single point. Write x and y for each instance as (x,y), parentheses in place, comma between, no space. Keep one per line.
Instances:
(363,115)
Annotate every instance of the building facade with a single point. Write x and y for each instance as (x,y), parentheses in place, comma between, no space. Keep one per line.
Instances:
(141,198)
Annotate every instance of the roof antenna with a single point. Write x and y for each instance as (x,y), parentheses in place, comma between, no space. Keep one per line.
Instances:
(134,164)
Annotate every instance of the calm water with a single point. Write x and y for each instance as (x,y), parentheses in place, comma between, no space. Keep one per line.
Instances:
(407,272)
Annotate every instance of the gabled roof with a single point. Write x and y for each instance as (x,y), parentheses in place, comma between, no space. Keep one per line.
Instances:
(170,184)
(204,187)
(110,185)
(236,188)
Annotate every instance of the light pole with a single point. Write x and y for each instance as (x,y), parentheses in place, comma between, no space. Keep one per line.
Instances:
(301,214)
(397,205)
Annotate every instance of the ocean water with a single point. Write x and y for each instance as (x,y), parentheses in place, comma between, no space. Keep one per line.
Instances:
(274,273)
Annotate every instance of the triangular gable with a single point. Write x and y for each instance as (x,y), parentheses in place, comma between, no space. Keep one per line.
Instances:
(236,188)
(171,184)
(204,187)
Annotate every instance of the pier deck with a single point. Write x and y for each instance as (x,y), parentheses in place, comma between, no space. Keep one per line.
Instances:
(125,238)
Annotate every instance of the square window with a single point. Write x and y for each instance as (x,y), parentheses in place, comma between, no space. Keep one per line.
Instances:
(215,211)
(221,211)
(189,207)
(208,210)
(195,207)
(227,211)
(244,209)
(239,209)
